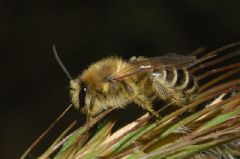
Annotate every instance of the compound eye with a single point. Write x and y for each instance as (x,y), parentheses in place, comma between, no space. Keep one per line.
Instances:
(82,95)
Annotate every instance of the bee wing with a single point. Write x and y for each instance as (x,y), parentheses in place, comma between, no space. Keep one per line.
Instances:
(169,60)
(162,62)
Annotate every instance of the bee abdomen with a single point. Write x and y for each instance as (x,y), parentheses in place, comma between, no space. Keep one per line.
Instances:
(180,79)
(171,76)
(192,86)
(183,79)
(175,85)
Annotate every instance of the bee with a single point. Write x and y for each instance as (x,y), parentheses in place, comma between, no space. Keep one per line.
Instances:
(113,83)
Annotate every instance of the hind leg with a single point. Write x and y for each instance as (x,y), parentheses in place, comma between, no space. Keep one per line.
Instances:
(146,104)
(139,98)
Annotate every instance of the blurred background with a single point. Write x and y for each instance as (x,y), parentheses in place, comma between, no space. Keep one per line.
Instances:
(34,89)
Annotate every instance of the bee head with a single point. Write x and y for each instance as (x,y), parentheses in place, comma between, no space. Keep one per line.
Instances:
(92,92)
(85,97)
(78,92)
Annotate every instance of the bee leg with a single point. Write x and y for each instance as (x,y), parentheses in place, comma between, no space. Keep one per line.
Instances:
(89,117)
(140,99)
(146,104)
(88,121)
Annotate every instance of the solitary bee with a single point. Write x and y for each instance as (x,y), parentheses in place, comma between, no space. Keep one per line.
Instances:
(114,83)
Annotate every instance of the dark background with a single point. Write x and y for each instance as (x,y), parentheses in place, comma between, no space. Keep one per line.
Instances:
(34,90)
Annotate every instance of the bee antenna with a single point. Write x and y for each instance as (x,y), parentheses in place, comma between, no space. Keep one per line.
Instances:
(60,63)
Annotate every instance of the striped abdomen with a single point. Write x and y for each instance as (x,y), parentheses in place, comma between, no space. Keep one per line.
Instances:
(176,85)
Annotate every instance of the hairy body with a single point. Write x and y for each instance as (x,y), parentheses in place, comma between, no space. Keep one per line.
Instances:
(114,83)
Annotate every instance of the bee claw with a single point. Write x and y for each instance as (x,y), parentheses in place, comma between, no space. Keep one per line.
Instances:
(156,115)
